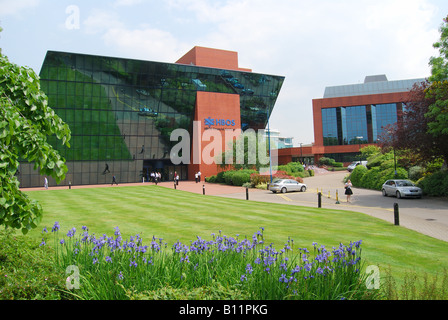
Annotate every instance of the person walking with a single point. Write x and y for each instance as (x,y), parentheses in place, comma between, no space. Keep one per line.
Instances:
(114,180)
(176,178)
(348,190)
(199,176)
(196,177)
(46,183)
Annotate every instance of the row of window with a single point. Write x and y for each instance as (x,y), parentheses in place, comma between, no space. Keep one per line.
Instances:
(357,124)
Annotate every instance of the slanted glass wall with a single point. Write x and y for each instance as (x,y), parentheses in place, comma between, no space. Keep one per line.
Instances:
(121,112)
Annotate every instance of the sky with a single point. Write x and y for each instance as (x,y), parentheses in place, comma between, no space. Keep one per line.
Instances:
(314,44)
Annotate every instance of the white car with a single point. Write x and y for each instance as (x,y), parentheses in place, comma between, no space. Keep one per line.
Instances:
(401,189)
(354,164)
(286,185)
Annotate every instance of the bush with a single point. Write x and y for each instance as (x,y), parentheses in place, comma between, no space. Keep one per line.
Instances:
(435,184)
(240,178)
(357,175)
(375,177)
(28,271)
(211,179)
(236,177)
(220,177)
(415,173)
(257,179)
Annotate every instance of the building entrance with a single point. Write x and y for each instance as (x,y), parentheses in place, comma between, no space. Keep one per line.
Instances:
(166,169)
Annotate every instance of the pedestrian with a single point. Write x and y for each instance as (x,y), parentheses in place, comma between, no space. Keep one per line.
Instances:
(196,177)
(46,183)
(114,180)
(348,190)
(199,176)
(176,178)
(153,176)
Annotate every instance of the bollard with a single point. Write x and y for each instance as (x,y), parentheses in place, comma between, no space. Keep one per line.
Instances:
(247,193)
(69,184)
(396,215)
(337,197)
(203,189)
(319,200)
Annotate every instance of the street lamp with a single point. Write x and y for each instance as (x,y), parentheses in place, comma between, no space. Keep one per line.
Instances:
(359,146)
(269,143)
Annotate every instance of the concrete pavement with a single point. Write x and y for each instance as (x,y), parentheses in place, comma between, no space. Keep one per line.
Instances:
(428,215)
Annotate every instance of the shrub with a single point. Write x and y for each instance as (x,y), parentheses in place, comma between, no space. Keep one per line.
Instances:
(257,179)
(237,177)
(220,177)
(27,270)
(211,179)
(415,173)
(435,184)
(357,175)
(240,177)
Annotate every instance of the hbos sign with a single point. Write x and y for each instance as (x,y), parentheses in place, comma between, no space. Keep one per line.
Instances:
(219,122)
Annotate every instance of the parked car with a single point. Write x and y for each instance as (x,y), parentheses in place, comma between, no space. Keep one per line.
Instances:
(401,189)
(354,164)
(286,185)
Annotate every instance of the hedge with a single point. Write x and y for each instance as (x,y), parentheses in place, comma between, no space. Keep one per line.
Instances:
(435,184)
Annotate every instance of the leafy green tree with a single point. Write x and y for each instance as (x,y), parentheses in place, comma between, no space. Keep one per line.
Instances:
(26,121)
(438,90)
(439,65)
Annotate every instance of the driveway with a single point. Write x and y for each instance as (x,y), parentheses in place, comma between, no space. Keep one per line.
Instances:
(427,215)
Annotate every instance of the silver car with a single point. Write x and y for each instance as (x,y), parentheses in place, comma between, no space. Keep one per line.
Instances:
(401,189)
(286,185)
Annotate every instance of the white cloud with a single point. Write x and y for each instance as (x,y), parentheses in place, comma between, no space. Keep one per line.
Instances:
(147,44)
(9,7)
(100,21)
(119,3)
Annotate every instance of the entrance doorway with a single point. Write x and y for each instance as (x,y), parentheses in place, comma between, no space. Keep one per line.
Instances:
(166,168)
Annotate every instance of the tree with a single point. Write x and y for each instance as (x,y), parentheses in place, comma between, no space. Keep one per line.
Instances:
(410,132)
(439,65)
(437,92)
(26,121)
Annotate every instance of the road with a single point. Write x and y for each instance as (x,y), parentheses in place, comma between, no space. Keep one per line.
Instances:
(427,215)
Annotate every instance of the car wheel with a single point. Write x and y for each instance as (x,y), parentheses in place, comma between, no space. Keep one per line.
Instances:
(303,189)
(283,190)
(398,195)
(384,193)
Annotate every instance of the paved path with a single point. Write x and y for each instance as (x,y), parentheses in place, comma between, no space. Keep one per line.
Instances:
(428,215)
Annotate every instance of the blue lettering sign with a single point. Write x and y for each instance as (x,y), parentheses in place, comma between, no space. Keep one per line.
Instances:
(219,122)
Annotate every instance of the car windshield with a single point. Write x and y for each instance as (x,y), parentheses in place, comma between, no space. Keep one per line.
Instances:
(405,184)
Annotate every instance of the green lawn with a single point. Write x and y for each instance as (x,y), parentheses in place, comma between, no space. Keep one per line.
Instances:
(177,215)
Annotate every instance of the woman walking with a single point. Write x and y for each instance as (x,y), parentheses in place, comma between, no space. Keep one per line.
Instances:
(348,190)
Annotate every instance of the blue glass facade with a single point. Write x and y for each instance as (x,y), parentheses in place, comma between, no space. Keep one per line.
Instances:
(357,124)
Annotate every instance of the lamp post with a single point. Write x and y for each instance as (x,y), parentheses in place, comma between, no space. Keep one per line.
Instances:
(269,144)
(359,145)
